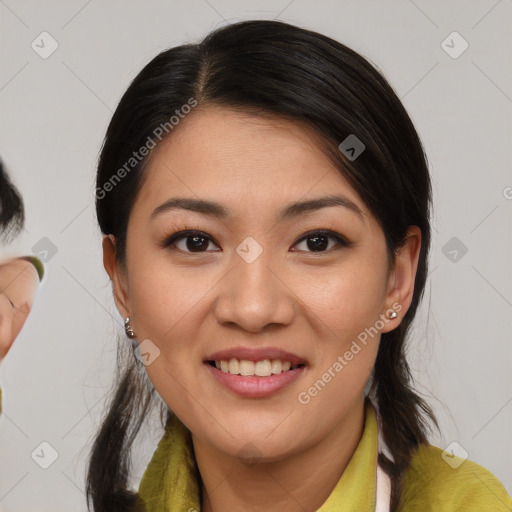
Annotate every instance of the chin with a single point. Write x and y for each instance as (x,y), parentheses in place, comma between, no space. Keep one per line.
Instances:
(258,446)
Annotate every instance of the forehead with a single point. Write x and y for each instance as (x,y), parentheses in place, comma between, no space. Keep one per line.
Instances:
(236,157)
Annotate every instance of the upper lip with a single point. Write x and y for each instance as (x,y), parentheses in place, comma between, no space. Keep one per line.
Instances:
(256,354)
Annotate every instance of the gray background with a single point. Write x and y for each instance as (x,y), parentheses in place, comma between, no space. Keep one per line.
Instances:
(54,115)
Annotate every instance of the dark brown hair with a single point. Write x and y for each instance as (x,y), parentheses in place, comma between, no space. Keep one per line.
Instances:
(12,212)
(276,69)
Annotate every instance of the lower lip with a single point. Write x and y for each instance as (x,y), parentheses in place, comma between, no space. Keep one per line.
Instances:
(253,386)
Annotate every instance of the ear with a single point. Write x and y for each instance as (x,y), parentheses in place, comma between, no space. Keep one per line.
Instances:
(401,279)
(116,274)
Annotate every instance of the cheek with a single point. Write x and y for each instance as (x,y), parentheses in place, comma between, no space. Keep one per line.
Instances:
(345,311)
(345,300)
(164,300)
(169,305)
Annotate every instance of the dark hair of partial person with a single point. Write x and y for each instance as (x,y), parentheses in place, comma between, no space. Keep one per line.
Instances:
(12,212)
(272,68)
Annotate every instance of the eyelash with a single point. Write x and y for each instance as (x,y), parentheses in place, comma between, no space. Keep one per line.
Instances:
(183,234)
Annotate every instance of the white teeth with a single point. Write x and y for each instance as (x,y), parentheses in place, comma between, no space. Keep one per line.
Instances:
(263,368)
(233,366)
(276,366)
(246,367)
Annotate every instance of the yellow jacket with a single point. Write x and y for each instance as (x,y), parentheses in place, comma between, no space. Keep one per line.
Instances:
(170,482)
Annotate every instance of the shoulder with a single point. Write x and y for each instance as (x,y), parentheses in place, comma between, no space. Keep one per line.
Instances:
(441,482)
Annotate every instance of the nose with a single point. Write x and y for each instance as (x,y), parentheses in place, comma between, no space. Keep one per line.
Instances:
(254,295)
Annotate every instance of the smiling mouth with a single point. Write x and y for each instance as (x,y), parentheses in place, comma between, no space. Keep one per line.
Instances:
(247,368)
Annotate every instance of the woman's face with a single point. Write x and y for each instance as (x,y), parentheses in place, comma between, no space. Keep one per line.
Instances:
(253,286)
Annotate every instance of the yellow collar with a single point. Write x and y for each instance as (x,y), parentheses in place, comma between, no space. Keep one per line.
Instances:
(170,481)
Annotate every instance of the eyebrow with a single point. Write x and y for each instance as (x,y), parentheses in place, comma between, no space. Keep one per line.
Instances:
(293,210)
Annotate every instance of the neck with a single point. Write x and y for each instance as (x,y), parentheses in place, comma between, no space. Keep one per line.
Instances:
(302,481)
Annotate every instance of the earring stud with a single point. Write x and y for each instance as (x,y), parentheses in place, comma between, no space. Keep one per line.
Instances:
(128,328)
(392,315)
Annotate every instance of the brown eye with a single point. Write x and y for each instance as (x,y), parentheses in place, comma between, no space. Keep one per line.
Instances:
(189,241)
(318,241)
